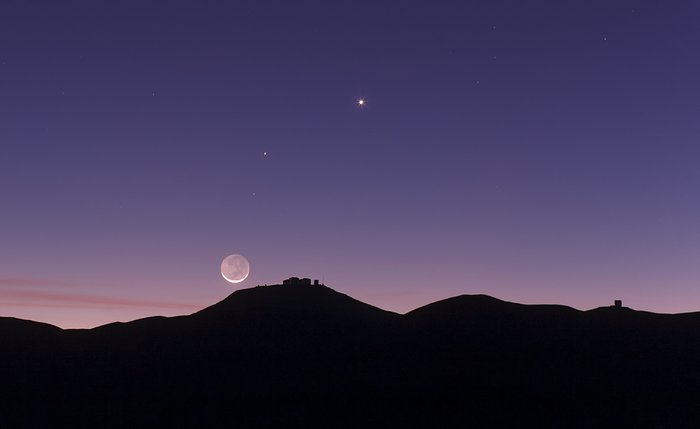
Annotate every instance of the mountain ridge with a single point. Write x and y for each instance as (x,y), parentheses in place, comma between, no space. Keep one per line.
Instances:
(311,356)
(254,299)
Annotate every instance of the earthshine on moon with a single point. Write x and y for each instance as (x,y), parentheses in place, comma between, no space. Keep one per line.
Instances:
(235,268)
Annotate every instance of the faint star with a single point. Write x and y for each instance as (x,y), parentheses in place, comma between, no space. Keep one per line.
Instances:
(264,153)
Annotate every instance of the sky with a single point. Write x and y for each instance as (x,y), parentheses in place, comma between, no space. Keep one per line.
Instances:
(538,152)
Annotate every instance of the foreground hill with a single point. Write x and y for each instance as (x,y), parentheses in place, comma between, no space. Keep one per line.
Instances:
(307,355)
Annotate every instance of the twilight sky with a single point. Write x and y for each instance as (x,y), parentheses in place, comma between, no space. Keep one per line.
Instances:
(538,152)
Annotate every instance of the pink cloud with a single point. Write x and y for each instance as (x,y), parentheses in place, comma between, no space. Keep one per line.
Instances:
(52,299)
(29,282)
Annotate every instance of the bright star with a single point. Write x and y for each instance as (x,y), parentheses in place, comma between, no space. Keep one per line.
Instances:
(361,102)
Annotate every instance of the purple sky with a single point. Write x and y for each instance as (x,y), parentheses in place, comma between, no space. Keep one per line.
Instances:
(539,152)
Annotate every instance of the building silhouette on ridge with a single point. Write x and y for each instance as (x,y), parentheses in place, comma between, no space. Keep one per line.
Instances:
(296,281)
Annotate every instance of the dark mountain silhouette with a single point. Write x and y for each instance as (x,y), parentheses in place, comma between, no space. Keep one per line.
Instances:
(288,356)
(293,301)
(11,326)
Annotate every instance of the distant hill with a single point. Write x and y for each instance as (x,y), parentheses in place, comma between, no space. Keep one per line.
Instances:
(299,301)
(11,326)
(281,356)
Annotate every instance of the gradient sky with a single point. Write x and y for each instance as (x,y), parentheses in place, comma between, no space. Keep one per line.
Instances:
(538,152)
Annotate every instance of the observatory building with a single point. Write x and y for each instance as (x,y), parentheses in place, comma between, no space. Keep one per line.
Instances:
(296,281)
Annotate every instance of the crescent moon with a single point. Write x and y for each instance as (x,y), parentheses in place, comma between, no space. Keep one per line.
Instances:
(235,268)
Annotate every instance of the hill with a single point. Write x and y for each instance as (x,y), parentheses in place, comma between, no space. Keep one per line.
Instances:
(308,355)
